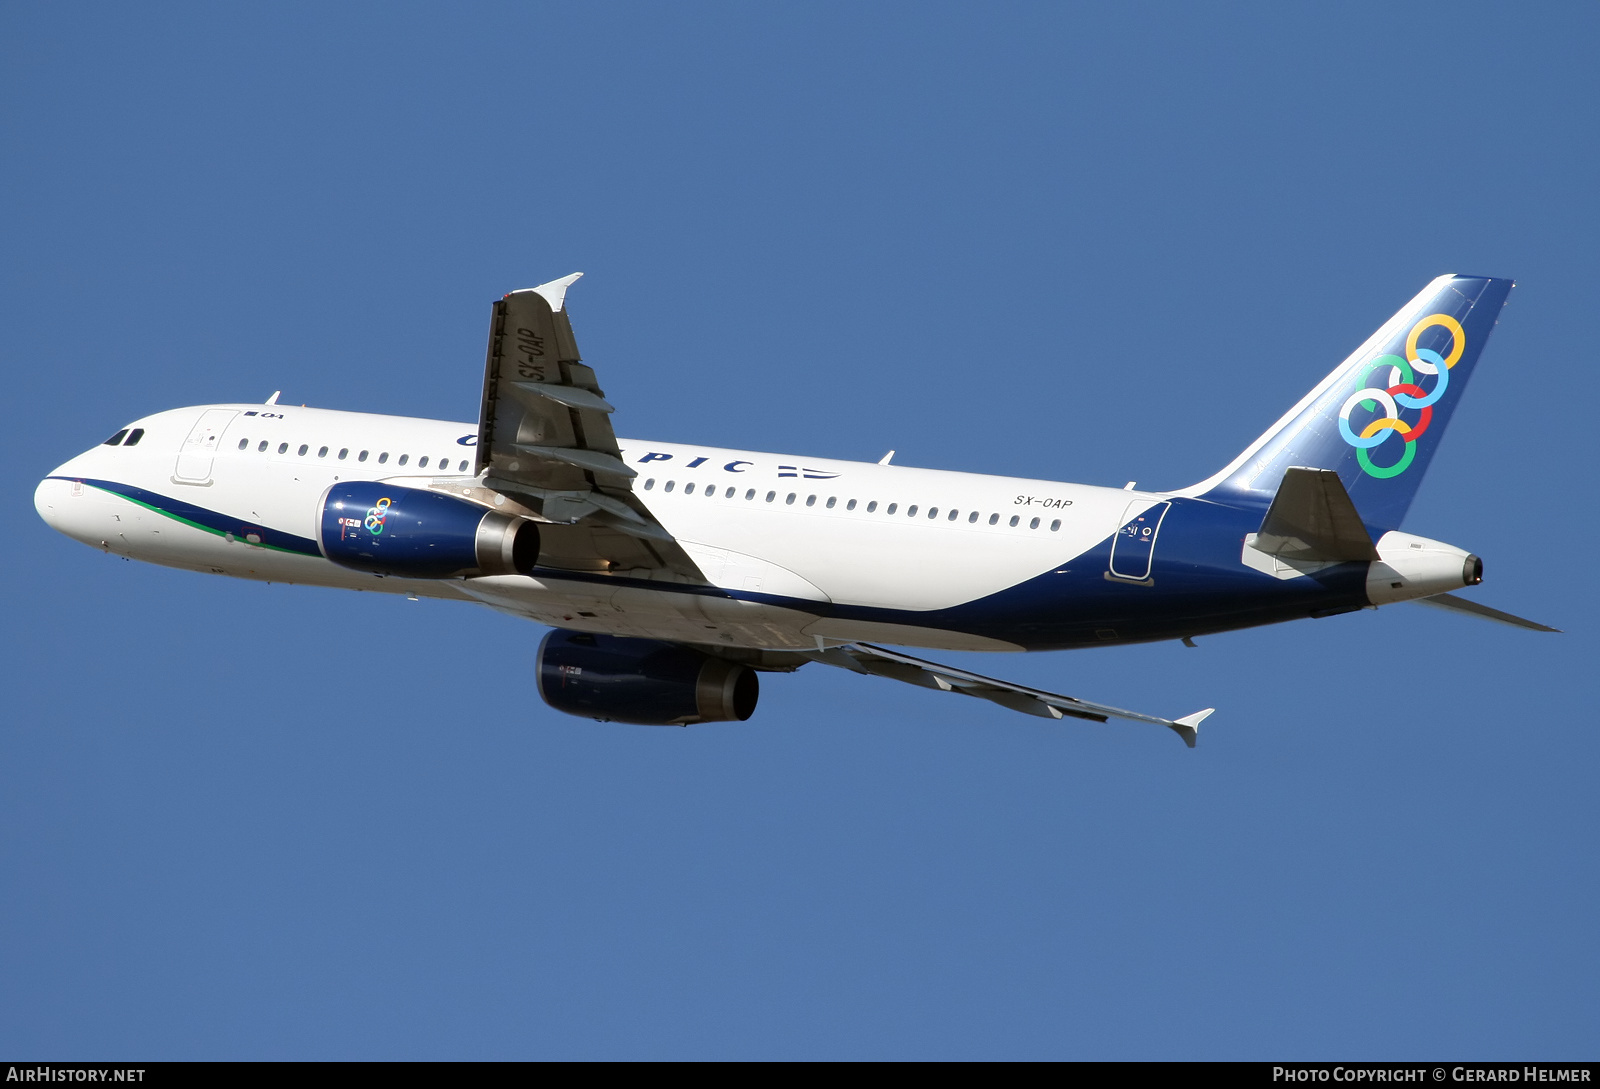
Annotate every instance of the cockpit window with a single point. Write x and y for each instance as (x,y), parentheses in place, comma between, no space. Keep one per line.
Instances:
(134,436)
(116,440)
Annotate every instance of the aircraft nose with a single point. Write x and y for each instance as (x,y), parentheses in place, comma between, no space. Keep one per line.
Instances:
(50,500)
(70,506)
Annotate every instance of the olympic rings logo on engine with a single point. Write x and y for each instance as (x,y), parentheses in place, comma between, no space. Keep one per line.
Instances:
(1401,387)
(376,515)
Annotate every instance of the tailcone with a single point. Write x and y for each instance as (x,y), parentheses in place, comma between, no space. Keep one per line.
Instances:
(1411,567)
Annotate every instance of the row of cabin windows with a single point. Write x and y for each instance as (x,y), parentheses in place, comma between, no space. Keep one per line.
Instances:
(951,515)
(132,437)
(322,452)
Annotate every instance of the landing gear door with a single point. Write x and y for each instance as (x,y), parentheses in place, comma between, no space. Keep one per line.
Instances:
(194,457)
(1133,549)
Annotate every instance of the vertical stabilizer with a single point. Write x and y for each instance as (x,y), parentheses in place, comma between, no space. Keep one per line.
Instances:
(1378,417)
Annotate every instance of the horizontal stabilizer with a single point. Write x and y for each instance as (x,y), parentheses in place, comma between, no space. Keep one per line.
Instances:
(1313,519)
(866,658)
(1483,612)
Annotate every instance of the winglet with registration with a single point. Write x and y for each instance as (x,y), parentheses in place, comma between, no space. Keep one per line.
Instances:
(545,438)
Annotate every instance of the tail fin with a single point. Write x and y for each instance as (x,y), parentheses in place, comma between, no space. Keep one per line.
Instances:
(1378,417)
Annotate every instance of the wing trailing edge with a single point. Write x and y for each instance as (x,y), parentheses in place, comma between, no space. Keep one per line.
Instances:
(873,660)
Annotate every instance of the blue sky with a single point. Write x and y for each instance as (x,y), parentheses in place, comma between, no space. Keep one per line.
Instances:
(1092,243)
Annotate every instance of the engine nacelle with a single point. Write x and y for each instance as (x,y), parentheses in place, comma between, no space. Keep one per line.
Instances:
(617,679)
(412,533)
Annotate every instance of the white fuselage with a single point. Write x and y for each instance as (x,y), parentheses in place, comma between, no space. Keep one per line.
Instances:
(775,526)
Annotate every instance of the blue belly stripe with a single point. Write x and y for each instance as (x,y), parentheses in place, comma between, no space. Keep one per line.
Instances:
(203,518)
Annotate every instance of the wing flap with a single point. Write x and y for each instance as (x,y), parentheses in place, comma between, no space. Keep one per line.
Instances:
(876,660)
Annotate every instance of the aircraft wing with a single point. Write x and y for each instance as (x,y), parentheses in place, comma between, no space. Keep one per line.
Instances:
(545,438)
(866,658)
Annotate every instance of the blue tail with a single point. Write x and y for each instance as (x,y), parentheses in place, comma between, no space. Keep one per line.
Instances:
(1378,417)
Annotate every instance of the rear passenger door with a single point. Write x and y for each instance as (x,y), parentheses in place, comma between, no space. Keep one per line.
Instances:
(1133,549)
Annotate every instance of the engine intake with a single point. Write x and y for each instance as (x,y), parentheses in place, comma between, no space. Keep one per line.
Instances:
(614,678)
(418,534)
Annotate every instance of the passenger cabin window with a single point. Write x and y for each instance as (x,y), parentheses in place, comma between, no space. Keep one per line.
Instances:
(790,499)
(911,511)
(404,458)
(117,438)
(1015,519)
(850,505)
(688,489)
(933,512)
(344,452)
(890,508)
(1034,524)
(872,506)
(283,448)
(973,517)
(303,449)
(244,444)
(262,447)
(462,467)
(651,483)
(361,456)
(1056,525)
(134,436)
(993,519)
(750,494)
(831,501)
(383,457)
(728,494)
(669,485)
(811,500)
(422,462)
(322,453)
(771,496)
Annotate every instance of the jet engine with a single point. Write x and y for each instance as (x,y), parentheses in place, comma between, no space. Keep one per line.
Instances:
(411,533)
(613,678)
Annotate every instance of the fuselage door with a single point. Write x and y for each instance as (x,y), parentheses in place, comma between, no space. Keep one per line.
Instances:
(1133,549)
(194,457)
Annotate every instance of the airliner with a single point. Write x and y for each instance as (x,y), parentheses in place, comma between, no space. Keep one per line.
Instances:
(674,575)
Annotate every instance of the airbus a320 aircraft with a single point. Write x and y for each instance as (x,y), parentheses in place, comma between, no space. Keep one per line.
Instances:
(674,574)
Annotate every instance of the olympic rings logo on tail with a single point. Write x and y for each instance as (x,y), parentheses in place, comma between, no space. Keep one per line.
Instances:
(376,515)
(1401,388)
